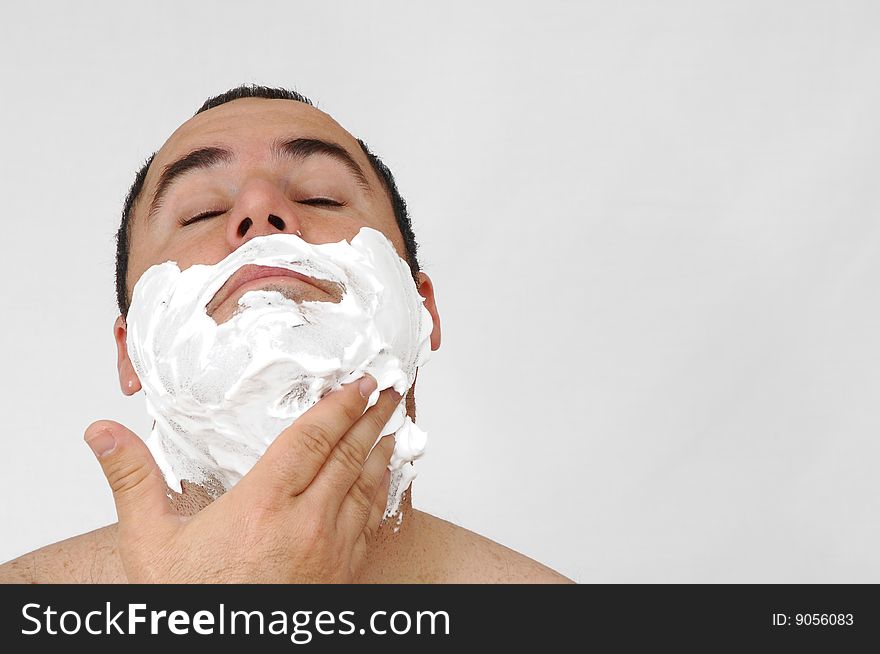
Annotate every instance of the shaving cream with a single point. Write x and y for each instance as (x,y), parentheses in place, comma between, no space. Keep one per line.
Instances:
(221,393)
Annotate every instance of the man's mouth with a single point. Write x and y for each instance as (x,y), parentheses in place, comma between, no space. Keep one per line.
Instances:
(291,284)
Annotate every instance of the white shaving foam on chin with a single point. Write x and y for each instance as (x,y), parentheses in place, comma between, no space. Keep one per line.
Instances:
(220,394)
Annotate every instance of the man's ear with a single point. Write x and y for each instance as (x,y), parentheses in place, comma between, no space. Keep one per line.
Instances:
(128,379)
(426,290)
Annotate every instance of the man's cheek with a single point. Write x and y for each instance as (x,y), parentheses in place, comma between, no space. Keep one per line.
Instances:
(190,249)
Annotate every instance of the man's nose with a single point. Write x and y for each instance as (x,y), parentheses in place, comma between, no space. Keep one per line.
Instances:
(260,209)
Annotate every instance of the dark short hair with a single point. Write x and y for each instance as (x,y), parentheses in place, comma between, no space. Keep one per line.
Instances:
(123,234)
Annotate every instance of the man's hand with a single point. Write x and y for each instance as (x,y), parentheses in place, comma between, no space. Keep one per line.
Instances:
(306,512)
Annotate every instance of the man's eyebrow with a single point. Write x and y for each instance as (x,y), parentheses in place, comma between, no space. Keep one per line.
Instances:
(195,160)
(302,148)
(294,148)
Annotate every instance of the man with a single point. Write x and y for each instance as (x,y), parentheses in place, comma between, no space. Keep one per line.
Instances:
(251,162)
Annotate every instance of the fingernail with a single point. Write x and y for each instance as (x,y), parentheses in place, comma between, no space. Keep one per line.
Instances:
(102,443)
(366,386)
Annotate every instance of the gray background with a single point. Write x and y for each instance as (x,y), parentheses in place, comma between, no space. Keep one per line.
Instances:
(652,229)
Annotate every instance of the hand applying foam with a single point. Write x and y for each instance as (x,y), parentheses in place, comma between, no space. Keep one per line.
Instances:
(306,512)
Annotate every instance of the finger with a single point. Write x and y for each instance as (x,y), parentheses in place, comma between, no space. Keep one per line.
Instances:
(135,479)
(359,503)
(346,462)
(291,462)
(366,537)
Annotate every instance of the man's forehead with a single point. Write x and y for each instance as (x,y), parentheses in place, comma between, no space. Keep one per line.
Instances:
(251,124)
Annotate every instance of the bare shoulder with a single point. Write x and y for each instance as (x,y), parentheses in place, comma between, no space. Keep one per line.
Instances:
(88,558)
(462,556)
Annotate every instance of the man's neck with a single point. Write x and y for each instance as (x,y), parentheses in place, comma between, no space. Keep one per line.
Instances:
(392,542)
(392,546)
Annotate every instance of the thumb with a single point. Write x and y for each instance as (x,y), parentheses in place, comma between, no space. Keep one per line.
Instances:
(135,479)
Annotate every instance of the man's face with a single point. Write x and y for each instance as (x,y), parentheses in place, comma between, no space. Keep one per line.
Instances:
(258,188)
(263,173)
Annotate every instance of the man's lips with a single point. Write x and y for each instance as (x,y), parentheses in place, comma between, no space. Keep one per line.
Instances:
(250,275)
